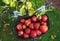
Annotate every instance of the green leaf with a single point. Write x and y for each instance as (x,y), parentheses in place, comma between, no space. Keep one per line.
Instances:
(31,12)
(6,1)
(14,0)
(43,12)
(23,1)
(1,9)
(12,4)
(10,1)
(29,5)
(22,11)
(40,13)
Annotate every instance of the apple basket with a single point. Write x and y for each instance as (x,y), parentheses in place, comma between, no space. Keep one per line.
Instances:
(17,21)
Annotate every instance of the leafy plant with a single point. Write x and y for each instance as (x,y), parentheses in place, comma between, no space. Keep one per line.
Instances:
(1,9)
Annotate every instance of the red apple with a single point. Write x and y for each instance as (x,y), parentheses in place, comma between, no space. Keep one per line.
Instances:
(27,31)
(24,26)
(19,27)
(22,20)
(43,28)
(20,33)
(33,18)
(27,22)
(44,18)
(38,32)
(39,18)
(44,23)
(33,34)
(31,26)
(26,35)
(36,25)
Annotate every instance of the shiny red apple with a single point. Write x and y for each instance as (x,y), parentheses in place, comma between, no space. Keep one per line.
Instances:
(44,18)
(22,20)
(36,25)
(27,22)
(33,34)
(20,33)
(26,35)
(43,28)
(39,18)
(34,18)
(38,32)
(19,27)
(27,31)
(44,23)
(31,26)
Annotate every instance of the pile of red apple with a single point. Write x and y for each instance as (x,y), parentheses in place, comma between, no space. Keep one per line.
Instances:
(32,27)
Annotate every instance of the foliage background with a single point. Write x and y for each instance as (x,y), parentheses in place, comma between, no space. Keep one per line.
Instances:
(7,34)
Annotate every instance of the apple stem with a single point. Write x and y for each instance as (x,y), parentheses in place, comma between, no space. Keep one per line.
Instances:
(33,39)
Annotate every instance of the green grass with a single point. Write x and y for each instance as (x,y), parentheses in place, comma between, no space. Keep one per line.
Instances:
(54,17)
